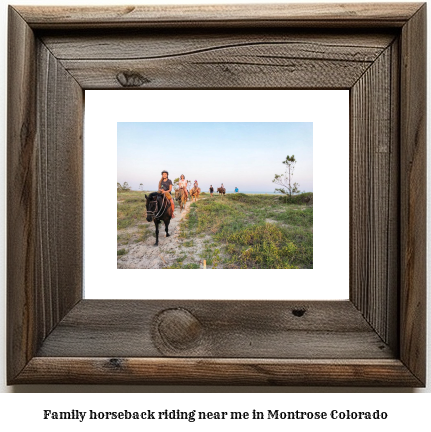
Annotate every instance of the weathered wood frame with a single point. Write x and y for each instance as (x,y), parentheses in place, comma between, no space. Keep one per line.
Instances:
(377,338)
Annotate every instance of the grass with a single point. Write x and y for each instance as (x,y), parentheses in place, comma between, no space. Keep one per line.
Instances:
(212,256)
(303,198)
(184,266)
(294,216)
(244,237)
(130,208)
(235,231)
(131,226)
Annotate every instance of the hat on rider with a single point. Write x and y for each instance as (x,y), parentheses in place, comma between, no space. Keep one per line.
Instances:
(164,171)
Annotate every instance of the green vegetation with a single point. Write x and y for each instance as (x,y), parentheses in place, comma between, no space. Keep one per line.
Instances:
(183,266)
(237,231)
(131,226)
(130,208)
(253,231)
(303,198)
(124,188)
(285,180)
(212,255)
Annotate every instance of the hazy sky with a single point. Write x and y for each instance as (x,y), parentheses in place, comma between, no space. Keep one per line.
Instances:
(246,155)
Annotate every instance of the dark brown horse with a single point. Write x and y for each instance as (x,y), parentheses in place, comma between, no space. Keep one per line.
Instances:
(158,209)
(181,197)
(221,190)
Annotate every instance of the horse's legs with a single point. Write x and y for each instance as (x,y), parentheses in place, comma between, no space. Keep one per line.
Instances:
(156,223)
(166,227)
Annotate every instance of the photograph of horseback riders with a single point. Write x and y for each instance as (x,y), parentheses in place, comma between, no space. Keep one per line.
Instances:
(214,195)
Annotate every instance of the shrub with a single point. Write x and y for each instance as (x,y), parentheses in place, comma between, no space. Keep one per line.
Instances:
(262,246)
(304,198)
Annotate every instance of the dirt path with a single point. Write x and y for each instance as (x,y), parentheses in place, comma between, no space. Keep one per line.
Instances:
(144,255)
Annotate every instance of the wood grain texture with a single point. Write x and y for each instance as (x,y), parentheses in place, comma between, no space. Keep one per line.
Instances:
(413,194)
(373,194)
(21,194)
(55,337)
(392,304)
(198,371)
(241,329)
(59,244)
(229,69)
(197,59)
(308,15)
(45,105)
(140,44)
(211,60)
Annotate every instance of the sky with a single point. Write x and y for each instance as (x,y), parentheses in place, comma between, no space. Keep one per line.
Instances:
(243,155)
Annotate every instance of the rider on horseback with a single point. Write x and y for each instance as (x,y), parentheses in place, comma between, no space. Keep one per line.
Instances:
(165,187)
(183,185)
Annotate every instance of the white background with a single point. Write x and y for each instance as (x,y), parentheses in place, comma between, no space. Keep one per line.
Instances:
(329,113)
(25,410)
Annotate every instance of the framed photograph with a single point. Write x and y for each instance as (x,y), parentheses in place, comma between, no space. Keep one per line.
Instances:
(228,216)
(239,136)
(375,337)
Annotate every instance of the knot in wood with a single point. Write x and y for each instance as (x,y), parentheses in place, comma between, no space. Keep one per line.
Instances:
(115,363)
(298,312)
(178,328)
(131,79)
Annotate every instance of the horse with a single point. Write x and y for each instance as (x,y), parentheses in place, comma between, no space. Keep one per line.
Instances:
(181,197)
(221,190)
(158,209)
(194,193)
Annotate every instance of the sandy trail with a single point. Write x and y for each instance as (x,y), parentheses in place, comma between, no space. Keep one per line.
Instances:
(144,255)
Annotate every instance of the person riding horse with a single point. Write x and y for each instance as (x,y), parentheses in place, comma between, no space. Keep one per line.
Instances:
(221,190)
(183,185)
(158,210)
(181,194)
(165,187)
(195,191)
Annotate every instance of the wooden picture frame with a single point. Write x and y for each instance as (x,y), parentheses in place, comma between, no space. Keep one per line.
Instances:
(376,338)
